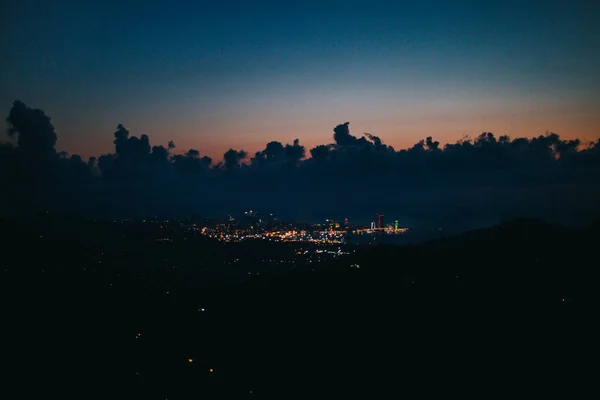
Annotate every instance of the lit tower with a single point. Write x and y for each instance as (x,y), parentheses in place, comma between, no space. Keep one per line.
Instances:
(380,224)
(396,225)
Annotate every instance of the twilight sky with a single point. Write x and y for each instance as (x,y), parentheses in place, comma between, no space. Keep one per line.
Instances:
(220,74)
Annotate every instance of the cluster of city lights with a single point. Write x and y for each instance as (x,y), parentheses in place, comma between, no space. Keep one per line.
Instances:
(238,235)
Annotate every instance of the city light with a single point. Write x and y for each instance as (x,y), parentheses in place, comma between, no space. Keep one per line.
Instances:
(329,233)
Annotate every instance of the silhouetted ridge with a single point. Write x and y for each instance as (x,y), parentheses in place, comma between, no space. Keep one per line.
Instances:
(521,232)
(595,226)
(146,308)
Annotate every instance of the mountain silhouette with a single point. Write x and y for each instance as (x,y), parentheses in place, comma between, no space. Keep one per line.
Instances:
(498,302)
(524,232)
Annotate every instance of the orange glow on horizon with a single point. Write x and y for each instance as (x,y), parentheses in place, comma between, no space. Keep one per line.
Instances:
(400,131)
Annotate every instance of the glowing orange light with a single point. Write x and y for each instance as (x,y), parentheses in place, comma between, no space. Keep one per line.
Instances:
(211,370)
(190,360)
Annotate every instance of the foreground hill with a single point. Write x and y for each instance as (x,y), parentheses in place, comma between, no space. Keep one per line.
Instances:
(502,309)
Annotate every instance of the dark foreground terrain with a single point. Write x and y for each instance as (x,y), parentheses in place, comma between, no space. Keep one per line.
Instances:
(87,314)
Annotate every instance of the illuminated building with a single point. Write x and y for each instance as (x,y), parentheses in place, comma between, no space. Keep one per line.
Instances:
(346,222)
(396,225)
(380,224)
(372,226)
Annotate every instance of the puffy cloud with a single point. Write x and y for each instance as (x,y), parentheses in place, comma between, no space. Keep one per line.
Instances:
(471,180)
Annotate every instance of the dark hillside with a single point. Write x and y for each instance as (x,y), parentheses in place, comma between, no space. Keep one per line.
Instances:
(506,308)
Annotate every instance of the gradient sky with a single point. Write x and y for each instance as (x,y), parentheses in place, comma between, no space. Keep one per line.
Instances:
(220,74)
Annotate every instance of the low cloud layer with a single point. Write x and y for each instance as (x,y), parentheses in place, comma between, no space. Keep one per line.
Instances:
(469,183)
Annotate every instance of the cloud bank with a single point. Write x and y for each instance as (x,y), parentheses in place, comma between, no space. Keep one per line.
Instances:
(469,183)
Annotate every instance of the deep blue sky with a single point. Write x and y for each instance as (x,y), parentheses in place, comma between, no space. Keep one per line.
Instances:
(214,75)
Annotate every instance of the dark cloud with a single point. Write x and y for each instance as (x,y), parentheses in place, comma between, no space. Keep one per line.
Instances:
(342,136)
(35,134)
(276,156)
(232,159)
(470,182)
(159,155)
(190,163)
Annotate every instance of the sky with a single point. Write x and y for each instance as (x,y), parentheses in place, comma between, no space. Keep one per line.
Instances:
(215,75)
